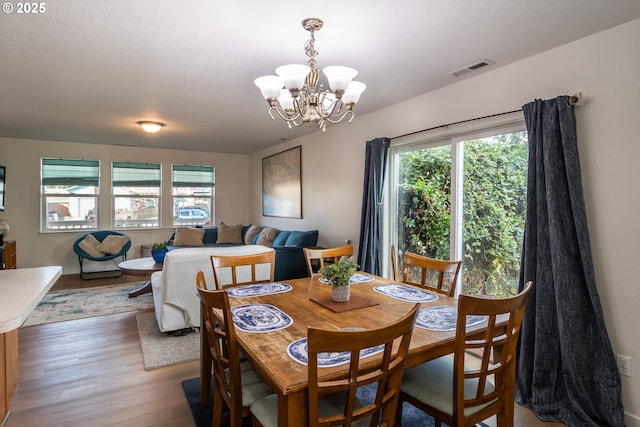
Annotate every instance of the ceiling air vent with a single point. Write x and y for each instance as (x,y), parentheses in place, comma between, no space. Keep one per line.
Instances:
(471,67)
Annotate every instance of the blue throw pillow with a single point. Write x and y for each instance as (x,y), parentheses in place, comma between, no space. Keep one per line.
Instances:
(210,235)
(302,238)
(281,238)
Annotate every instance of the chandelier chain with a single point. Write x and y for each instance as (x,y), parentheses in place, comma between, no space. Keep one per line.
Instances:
(310,50)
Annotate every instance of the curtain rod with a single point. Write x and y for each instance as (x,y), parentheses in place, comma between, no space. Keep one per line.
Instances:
(573,100)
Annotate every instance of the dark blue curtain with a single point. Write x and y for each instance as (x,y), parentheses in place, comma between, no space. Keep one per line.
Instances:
(369,255)
(566,369)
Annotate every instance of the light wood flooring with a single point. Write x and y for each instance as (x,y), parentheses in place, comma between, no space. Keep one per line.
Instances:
(89,372)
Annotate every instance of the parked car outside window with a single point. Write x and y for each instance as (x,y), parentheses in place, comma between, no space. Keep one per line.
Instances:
(192,213)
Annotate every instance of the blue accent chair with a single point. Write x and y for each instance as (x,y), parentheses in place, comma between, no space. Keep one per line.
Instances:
(89,264)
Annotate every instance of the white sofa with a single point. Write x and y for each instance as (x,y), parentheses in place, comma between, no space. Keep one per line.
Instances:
(174,288)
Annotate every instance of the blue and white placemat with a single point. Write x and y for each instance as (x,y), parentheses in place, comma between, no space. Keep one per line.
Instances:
(406,293)
(258,289)
(297,350)
(356,278)
(260,318)
(443,318)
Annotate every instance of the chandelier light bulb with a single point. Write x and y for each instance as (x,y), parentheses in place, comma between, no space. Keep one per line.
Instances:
(339,77)
(353,92)
(270,86)
(293,75)
(285,100)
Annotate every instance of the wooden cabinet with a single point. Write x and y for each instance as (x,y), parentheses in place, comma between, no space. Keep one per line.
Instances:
(9,259)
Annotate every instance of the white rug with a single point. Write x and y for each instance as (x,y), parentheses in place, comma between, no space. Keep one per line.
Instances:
(72,304)
(159,349)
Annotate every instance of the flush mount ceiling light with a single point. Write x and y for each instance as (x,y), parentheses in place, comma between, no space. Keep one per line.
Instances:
(295,96)
(150,127)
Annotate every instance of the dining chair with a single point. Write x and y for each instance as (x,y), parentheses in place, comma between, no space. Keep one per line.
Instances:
(235,383)
(320,256)
(243,269)
(332,398)
(460,395)
(425,272)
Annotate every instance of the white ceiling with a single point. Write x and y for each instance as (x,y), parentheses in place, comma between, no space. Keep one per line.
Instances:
(87,70)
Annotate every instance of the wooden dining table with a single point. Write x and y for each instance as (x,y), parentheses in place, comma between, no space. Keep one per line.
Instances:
(308,304)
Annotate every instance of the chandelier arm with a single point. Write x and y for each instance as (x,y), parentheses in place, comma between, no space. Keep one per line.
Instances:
(297,123)
(346,113)
(335,108)
(301,107)
(283,115)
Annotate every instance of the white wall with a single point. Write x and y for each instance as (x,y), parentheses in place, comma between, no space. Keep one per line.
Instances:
(22,159)
(605,68)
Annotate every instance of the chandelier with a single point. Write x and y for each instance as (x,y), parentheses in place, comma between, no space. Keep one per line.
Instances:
(295,96)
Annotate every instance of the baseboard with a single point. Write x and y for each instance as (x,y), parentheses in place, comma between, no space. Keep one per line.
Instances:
(6,417)
(631,420)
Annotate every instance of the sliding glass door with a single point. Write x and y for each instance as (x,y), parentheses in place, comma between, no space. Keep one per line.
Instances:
(463,197)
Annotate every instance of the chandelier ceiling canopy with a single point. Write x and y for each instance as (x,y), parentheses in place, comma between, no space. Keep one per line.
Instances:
(295,96)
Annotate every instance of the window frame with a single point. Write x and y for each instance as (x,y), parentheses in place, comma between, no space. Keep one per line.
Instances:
(49,177)
(140,181)
(196,181)
(454,135)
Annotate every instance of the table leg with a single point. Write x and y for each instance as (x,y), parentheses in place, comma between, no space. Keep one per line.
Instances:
(144,289)
(292,409)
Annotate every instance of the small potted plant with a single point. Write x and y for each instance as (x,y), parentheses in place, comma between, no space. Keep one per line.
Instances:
(158,251)
(338,276)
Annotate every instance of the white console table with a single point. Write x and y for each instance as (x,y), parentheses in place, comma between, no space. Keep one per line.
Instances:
(20,292)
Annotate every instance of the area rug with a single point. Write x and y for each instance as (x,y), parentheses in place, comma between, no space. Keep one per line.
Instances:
(72,304)
(411,416)
(160,349)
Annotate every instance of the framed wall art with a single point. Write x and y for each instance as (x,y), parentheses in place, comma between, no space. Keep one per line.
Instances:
(282,184)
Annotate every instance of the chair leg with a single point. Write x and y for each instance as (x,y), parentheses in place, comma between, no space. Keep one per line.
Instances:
(399,414)
(205,382)
(206,365)
(216,419)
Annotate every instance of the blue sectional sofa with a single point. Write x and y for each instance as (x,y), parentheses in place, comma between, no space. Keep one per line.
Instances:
(290,261)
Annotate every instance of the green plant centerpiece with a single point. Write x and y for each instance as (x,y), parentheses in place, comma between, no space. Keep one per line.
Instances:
(158,251)
(338,276)
(159,246)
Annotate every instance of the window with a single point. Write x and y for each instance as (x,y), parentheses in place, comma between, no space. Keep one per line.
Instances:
(464,198)
(193,194)
(69,192)
(136,194)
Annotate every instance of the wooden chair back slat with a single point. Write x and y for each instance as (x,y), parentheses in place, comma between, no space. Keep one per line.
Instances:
(238,264)
(320,256)
(419,265)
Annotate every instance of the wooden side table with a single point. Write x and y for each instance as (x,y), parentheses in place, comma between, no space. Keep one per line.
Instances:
(7,254)
(140,267)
